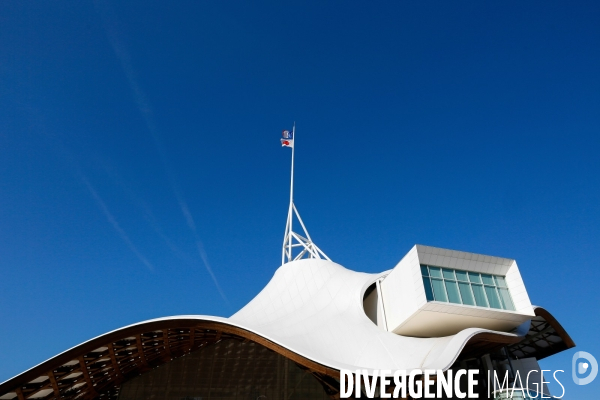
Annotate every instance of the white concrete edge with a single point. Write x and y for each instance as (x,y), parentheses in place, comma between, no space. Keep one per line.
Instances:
(444,361)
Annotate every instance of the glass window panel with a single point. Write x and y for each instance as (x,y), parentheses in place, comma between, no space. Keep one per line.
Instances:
(465,293)
(428,290)
(438,290)
(435,272)
(492,295)
(506,300)
(479,295)
(461,276)
(452,290)
(446,289)
(474,277)
(500,281)
(488,279)
(448,273)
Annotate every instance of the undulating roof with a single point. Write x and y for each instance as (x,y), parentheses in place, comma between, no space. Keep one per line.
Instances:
(311,312)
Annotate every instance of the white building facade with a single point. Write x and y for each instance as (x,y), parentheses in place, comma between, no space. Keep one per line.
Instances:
(437,309)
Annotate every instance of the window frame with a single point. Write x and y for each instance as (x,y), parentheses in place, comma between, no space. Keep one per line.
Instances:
(442,274)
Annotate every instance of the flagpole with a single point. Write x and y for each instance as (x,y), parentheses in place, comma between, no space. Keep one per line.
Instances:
(307,248)
(292,179)
(291,210)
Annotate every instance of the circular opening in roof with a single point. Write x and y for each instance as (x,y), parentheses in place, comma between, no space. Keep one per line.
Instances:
(371,303)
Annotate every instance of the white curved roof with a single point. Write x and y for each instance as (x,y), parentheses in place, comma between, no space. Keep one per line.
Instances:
(311,307)
(314,308)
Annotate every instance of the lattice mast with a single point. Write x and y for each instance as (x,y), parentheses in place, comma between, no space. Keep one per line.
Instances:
(292,240)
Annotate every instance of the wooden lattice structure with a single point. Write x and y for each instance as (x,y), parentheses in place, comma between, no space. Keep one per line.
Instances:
(545,337)
(97,368)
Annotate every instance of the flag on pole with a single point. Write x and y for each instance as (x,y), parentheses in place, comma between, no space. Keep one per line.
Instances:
(288,139)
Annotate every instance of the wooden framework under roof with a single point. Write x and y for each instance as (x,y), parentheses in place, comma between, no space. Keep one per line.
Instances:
(96,369)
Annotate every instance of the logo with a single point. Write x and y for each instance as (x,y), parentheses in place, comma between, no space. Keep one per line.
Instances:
(582,363)
(419,384)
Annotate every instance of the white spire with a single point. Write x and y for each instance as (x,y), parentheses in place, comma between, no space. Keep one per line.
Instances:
(305,248)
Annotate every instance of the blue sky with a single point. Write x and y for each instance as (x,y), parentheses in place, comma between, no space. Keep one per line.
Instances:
(139,153)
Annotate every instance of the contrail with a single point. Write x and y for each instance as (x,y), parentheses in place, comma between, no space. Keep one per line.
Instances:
(115,224)
(149,215)
(209,269)
(146,111)
(71,159)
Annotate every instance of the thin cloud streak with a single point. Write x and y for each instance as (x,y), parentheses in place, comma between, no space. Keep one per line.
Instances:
(111,219)
(199,245)
(152,221)
(147,213)
(145,109)
(209,269)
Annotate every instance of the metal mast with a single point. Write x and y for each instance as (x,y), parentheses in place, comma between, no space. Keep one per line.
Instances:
(291,239)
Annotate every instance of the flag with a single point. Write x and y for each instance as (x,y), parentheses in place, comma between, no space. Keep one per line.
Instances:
(288,139)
